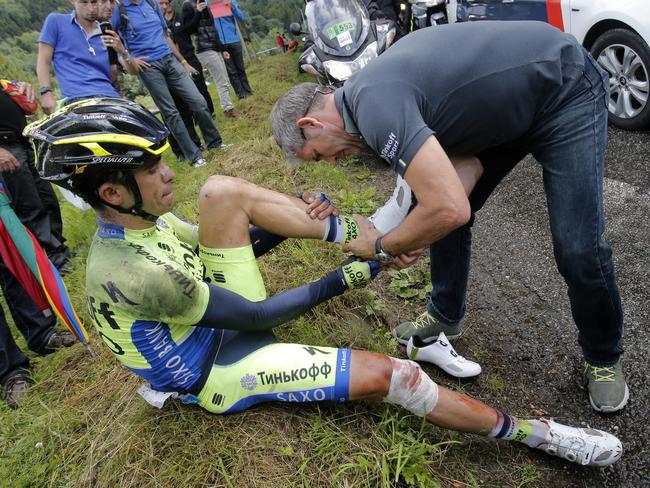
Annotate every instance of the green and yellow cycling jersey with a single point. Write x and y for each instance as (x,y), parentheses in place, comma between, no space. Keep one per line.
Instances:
(145,292)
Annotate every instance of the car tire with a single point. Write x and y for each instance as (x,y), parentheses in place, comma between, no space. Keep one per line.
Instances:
(628,84)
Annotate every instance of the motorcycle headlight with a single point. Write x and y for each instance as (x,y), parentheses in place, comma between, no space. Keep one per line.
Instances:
(342,70)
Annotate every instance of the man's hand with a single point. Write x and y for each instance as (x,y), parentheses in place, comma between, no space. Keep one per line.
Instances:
(139,64)
(364,245)
(48,103)
(407,259)
(201,6)
(27,89)
(111,39)
(226,55)
(357,274)
(320,207)
(8,162)
(189,69)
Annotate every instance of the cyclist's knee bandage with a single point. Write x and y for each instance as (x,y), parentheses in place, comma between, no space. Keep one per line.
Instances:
(411,388)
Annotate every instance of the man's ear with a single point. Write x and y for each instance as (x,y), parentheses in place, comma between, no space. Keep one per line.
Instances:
(309,122)
(113,193)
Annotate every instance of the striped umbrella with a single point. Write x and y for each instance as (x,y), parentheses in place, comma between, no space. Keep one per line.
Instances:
(25,258)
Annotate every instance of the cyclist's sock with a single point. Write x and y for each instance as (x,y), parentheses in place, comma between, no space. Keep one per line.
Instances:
(341,229)
(531,432)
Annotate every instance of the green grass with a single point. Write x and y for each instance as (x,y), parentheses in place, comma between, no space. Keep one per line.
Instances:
(83,424)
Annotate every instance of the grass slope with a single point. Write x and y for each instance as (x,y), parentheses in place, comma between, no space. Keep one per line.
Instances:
(83,424)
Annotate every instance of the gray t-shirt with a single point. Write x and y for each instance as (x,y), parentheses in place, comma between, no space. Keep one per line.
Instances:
(473,85)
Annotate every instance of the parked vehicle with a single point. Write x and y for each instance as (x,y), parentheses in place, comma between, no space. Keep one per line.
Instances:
(343,39)
(616,32)
(418,14)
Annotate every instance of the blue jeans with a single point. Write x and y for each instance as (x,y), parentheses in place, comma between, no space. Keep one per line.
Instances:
(166,75)
(569,143)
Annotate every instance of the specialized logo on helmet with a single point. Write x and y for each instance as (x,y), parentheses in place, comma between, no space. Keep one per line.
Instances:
(112,159)
(248,382)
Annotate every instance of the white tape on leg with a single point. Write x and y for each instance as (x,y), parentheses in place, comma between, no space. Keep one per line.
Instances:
(411,388)
(395,209)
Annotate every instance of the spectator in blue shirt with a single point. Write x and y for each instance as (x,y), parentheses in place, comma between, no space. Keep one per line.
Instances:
(227,30)
(162,69)
(73,42)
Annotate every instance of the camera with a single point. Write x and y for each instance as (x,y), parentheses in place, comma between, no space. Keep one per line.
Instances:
(104,26)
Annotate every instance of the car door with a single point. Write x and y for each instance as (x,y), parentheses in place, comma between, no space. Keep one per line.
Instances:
(470,10)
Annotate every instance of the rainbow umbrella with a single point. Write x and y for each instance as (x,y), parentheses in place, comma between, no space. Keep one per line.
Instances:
(25,258)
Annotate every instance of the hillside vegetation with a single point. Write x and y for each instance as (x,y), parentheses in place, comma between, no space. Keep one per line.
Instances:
(84,425)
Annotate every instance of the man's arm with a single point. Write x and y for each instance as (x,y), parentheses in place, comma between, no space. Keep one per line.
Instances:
(43,63)
(442,203)
(178,55)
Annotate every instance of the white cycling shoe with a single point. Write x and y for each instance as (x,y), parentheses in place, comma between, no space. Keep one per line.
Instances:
(588,447)
(441,353)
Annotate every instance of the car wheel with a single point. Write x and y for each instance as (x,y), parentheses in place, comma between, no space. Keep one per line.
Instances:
(626,58)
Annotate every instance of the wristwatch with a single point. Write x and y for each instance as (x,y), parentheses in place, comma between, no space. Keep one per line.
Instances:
(45,89)
(382,256)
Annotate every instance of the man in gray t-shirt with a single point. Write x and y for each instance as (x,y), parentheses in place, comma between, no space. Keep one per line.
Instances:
(497,91)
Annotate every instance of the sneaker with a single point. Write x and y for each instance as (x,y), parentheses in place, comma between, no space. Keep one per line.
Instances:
(443,355)
(426,326)
(57,340)
(231,113)
(608,390)
(588,447)
(198,163)
(223,146)
(16,388)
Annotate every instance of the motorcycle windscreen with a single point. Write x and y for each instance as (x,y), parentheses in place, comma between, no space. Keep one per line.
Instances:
(338,27)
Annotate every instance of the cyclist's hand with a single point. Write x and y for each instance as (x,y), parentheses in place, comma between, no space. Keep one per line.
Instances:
(357,273)
(319,206)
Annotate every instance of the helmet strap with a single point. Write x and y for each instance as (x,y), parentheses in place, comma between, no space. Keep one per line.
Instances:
(136,209)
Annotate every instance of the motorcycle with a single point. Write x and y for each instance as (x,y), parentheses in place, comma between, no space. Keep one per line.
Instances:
(343,39)
(418,14)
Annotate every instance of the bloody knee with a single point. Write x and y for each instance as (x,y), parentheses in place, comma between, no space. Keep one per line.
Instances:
(411,388)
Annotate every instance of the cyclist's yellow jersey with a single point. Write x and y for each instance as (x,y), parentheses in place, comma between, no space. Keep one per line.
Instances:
(145,292)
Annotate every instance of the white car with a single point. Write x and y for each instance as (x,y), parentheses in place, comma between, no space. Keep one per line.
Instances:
(616,32)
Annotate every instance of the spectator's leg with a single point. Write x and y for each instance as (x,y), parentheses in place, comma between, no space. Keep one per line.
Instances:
(233,75)
(216,66)
(186,115)
(12,360)
(155,80)
(199,81)
(237,56)
(180,82)
(32,323)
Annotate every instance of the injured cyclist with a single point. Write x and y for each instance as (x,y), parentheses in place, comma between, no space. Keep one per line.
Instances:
(186,309)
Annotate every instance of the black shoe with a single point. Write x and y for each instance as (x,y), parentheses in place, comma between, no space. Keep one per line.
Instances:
(57,340)
(16,388)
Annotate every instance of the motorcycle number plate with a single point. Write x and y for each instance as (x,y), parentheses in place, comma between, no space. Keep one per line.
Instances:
(344,38)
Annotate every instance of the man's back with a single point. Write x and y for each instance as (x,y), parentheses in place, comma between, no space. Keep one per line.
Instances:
(476,85)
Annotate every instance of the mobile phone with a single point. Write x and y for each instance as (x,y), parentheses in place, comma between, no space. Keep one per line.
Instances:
(104,26)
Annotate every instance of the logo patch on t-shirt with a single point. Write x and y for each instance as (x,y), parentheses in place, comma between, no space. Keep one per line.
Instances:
(390,148)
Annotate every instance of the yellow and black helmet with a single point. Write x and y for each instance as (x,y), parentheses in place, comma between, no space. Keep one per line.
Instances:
(95,134)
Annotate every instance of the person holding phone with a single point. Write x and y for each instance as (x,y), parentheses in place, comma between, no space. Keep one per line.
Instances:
(73,43)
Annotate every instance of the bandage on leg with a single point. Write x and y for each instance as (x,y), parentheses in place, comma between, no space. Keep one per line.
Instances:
(411,388)
(395,210)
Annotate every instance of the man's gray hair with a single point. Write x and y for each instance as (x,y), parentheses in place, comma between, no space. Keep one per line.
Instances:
(285,114)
